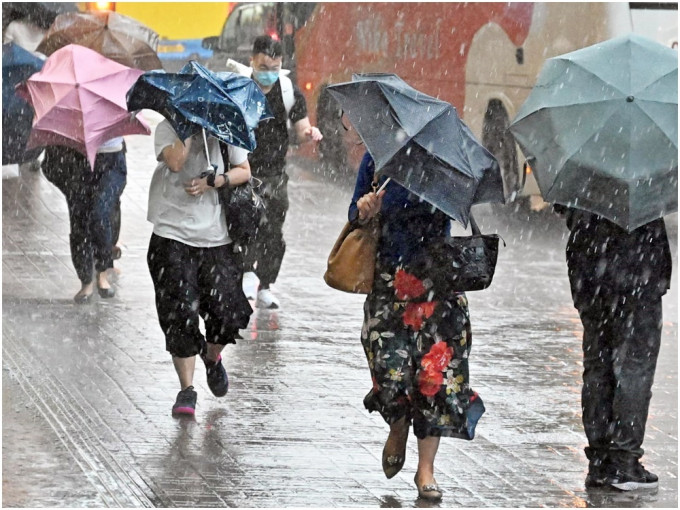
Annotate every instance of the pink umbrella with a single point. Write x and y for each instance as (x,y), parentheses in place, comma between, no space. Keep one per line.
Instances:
(79,101)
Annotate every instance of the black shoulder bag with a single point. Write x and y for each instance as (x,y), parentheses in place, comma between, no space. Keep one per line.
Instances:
(243,207)
(466,263)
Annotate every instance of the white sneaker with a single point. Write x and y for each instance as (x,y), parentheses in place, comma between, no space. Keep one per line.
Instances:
(265,299)
(250,282)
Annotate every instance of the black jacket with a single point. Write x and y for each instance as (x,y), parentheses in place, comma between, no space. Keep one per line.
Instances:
(606,262)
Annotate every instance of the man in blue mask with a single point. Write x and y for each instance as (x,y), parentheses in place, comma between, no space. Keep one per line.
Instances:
(264,255)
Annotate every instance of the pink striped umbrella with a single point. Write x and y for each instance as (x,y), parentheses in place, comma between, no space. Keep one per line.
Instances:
(79,101)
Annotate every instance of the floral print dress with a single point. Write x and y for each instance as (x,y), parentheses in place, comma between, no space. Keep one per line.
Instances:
(417,345)
(416,333)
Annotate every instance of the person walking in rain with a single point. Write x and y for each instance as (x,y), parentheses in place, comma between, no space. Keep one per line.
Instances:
(264,255)
(617,280)
(416,333)
(92,196)
(194,268)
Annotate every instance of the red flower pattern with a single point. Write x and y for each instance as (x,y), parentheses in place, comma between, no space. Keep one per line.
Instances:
(415,313)
(438,358)
(407,286)
(429,382)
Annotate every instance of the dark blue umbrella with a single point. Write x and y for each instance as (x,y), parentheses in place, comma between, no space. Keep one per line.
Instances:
(17,115)
(227,105)
(420,142)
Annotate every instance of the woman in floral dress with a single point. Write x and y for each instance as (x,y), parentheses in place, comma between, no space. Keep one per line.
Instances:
(416,332)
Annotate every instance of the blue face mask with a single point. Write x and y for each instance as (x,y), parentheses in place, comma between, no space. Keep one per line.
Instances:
(266,78)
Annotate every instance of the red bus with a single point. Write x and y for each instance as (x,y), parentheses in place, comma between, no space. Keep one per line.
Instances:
(481,57)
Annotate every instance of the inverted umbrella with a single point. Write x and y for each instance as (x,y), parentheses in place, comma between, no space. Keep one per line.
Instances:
(17,114)
(421,142)
(227,105)
(117,37)
(79,101)
(600,130)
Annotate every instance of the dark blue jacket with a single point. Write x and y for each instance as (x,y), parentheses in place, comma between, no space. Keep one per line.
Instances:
(408,223)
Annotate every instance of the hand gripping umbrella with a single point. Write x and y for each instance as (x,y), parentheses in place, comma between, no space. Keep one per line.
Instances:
(117,37)
(79,101)
(600,130)
(420,142)
(17,114)
(227,105)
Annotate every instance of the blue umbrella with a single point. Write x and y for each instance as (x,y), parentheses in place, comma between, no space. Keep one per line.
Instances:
(421,142)
(227,105)
(17,115)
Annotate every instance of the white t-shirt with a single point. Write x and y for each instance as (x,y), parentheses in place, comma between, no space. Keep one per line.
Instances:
(196,221)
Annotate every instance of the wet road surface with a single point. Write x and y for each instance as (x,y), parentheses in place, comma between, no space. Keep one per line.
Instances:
(87,390)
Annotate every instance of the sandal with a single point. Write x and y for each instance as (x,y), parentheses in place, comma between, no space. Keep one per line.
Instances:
(392,461)
(429,491)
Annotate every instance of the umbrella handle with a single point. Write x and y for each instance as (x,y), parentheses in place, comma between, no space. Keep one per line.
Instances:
(383,185)
(207,155)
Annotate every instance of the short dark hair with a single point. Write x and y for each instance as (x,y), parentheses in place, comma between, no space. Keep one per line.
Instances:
(265,44)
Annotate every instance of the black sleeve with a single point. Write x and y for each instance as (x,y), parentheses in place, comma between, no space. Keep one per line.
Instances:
(299,109)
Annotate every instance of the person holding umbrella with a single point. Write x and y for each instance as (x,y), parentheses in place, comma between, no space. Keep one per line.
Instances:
(416,333)
(81,116)
(197,270)
(602,141)
(194,270)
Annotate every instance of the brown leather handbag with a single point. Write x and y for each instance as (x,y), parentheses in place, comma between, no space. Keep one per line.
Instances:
(351,263)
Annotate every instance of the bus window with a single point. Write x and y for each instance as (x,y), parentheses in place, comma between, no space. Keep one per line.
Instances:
(656,20)
(243,25)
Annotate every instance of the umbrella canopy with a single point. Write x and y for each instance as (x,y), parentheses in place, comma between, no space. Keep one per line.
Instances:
(17,114)
(600,130)
(79,101)
(421,142)
(117,37)
(227,105)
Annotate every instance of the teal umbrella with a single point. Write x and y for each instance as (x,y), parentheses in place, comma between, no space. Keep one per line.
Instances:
(600,130)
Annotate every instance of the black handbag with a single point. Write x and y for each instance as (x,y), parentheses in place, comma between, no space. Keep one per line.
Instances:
(243,207)
(465,263)
(244,211)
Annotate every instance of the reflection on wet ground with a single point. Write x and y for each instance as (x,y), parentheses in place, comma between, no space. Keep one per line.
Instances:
(96,386)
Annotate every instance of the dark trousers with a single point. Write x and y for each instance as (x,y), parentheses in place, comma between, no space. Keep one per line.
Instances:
(268,247)
(193,282)
(620,349)
(91,196)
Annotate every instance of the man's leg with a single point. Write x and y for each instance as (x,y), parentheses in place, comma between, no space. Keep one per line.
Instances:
(185,370)
(174,271)
(597,394)
(224,309)
(273,245)
(634,365)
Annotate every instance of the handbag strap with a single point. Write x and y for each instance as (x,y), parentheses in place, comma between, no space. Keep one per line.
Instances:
(474,227)
(477,232)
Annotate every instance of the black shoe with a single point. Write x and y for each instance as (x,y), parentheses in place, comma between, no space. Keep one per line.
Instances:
(596,478)
(106,293)
(597,474)
(186,402)
(632,477)
(218,382)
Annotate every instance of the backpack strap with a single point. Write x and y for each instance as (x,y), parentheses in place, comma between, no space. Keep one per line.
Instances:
(288,96)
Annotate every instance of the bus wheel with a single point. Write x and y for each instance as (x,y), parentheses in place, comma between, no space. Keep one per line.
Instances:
(332,146)
(499,141)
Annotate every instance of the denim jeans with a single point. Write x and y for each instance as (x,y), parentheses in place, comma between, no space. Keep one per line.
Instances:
(91,196)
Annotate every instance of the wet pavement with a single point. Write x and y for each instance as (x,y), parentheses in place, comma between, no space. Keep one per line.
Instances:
(87,390)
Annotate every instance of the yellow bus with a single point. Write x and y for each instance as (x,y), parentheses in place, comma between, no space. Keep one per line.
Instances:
(181,26)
